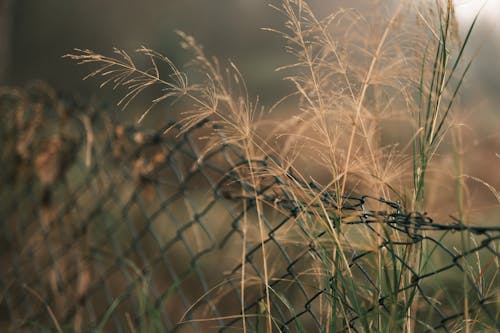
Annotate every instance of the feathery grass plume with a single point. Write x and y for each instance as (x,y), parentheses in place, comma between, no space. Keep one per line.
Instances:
(222,97)
(352,73)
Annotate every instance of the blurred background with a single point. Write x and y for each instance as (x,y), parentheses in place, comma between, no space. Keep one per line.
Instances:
(35,34)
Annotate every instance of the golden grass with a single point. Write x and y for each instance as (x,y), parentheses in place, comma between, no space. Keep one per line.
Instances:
(353,73)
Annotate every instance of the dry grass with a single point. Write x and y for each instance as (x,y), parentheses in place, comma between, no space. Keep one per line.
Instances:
(353,74)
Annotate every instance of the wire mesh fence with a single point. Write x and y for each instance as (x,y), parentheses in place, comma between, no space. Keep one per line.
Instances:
(107,227)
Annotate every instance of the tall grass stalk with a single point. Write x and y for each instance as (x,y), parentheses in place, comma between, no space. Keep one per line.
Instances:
(351,73)
(436,100)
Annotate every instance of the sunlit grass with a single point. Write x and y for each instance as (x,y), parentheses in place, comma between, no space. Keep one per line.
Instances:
(351,73)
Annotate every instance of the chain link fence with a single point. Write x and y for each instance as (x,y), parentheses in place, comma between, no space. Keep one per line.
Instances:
(110,228)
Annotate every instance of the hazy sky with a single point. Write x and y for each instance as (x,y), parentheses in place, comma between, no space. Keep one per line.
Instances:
(467,9)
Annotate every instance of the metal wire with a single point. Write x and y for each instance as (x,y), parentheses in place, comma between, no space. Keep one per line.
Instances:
(106,227)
